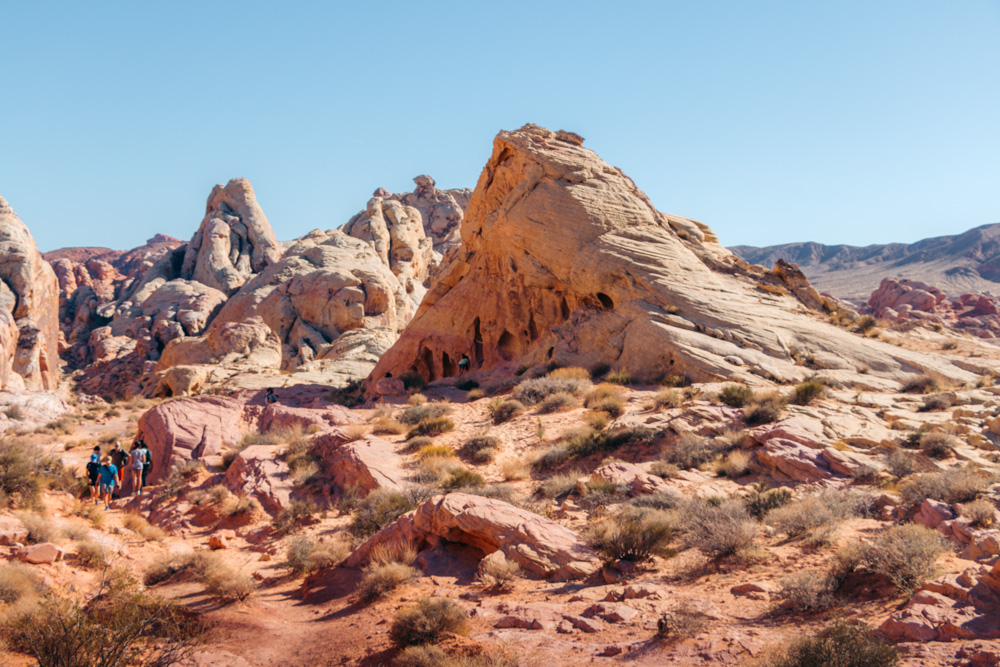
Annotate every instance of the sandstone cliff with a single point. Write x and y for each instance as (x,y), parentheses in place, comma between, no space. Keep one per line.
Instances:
(29,303)
(564,259)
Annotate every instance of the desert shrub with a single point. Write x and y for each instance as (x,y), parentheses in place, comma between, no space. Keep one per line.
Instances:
(921,384)
(661,500)
(559,485)
(387,425)
(720,530)
(736,395)
(515,469)
(936,403)
(901,464)
(459,477)
(380,508)
(531,392)
(507,410)
(599,393)
(761,499)
(938,445)
(666,398)
(474,394)
(570,373)
(502,492)
(807,591)
(91,554)
(21,470)
(807,392)
(298,513)
(802,517)
(691,451)
(14,412)
(143,528)
(418,443)
(865,323)
(620,377)
(764,409)
(683,621)
(413,380)
(906,554)
(980,513)
(482,449)
(840,645)
(597,420)
(734,465)
(381,579)
(432,426)
(955,485)
(127,627)
(435,451)
(19,582)
(423,655)
(634,534)
(553,457)
(41,528)
(558,402)
(421,411)
(427,621)
(305,556)
(416,399)
(582,442)
(225,583)
(499,571)
(613,406)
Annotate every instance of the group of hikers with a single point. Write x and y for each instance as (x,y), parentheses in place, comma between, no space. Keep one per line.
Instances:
(107,473)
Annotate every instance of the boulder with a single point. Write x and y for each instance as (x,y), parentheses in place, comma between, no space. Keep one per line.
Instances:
(258,472)
(632,476)
(12,531)
(29,303)
(40,554)
(932,513)
(364,465)
(540,546)
(563,259)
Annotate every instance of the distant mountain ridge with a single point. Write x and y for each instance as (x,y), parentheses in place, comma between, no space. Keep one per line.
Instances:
(967,262)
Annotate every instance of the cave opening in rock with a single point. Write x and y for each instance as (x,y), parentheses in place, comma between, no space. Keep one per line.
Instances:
(428,359)
(448,367)
(477,343)
(606,301)
(507,346)
(564,309)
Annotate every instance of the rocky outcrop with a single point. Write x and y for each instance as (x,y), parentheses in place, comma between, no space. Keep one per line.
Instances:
(440,211)
(540,546)
(259,473)
(563,259)
(910,300)
(29,298)
(363,465)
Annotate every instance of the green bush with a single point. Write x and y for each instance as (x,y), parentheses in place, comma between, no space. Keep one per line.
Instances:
(459,478)
(427,621)
(535,391)
(507,410)
(379,508)
(720,530)
(417,413)
(736,395)
(807,392)
(621,377)
(841,645)
(634,534)
(432,426)
(764,409)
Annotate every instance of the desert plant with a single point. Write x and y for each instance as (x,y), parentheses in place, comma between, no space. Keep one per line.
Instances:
(432,426)
(906,554)
(597,420)
(416,399)
(720,530)
(553,457)
(458,477)
(807,392)
(807,591)
(413,380)
(381,579)
(507,410)
(40,527)
(936,403)
(955,485)
(558,402)
(427,621)
(531,392)
(683,621)
(570,373)
(298,512)
(379,508)
(559,485)
(498,571)
(938,445)
(802,517)
(661,500)
(840,645)
(865,323)
(474,394)
(515,469)
(19,582)
(91,554)
(387,425)
(143,528)
(466,385)
(435,452)
(981,513)
(691,451)
(734,465)
(14,412)
(601,392)
(305,556)
(736,395)
(901,464)
(482,449)
(421,411)
(921,384)
(764,409)
(634,534)
(666,398)
(620,377)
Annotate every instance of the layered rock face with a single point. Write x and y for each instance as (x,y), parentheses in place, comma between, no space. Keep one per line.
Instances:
(564,259)
(904,300)
(29,309)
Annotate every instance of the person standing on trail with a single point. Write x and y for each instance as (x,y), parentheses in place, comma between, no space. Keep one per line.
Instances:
(136,461)
(94,474)
(109,479)
(118,458)
(147,463)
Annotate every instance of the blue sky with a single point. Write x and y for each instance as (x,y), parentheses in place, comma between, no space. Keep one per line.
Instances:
(841,122)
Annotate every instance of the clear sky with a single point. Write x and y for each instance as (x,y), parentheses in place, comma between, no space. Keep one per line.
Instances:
(855,121)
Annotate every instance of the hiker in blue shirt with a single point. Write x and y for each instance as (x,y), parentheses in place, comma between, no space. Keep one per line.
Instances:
(109,478)
(94,474)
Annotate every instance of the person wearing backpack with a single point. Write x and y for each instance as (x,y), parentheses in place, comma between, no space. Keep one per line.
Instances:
(118,459)
(136,460)
(147,464)
(109,479)
(94,474)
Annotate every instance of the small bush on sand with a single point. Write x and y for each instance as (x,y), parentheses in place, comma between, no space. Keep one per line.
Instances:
(226,583)
(432,426)
(634,534)
(387,425)
(91,554)
(498,572)
(459,477)
(600,393)
(661,500)
(305,556)
(938,445)
(809,517)
(955,485)
(980,513)
(840,645)
(921,384)
(902,464)
(807,392)
(720,530)
(474,395)
(559,485)
(613,406)
(666,398)
(764,409)
(620,377)
(906,554)
(806,591)
(531,392)
(20,588)
(597,420)
(24,472)
(515,469)
(41,528)
(482,449)
(298,513)
(684,621)
(558,402)
(417,413)
(507,410)
(553,457)
(416,399)
(734,465)
(427,621)
(435,452)
(413,380)
(381,579)
(936,403)
(143,528)
(736,395)
(691,451)
(379,508)
(865,323)
(570,373)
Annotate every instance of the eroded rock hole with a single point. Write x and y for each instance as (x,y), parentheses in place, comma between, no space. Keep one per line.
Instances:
(507,346)
(606,301)
(448,366)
